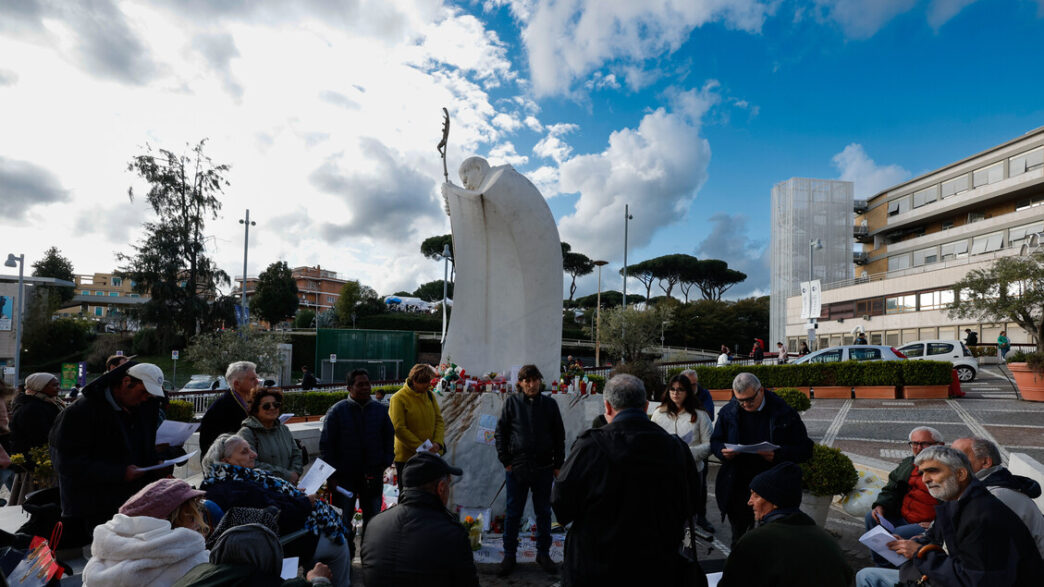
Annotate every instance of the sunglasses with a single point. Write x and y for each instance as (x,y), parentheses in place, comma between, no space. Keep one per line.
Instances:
(271,405)
(749,401)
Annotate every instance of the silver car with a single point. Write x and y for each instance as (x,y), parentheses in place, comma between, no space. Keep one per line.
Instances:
(954,351)
(853,352)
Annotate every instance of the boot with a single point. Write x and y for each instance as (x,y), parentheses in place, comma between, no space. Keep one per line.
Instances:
(545,562)
(507,566)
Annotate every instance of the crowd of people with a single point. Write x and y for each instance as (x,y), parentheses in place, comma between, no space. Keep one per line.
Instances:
(631,489)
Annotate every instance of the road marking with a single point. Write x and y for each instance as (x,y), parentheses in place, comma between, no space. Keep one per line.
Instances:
(884,440)
(898,404)
(721,547)
(835,426)
(894,453)
(976,428)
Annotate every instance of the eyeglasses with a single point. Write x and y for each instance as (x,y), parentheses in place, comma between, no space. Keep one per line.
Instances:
(271,405)
(748,401)
(923,444)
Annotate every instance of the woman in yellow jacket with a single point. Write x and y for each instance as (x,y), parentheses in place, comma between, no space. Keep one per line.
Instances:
(416,416)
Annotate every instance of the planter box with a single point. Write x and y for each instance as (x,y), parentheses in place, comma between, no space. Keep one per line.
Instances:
(805,390)
(831,392)
(1030,384)
(816,507)
(926,391)
(299,419)
(874,391)
(721,395)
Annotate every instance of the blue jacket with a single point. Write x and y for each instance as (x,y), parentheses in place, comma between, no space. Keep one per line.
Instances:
(358,440)
(785,430)
(705,399)
(987,544)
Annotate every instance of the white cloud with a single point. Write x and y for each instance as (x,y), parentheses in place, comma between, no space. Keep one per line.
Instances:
(552,146)
(566,39)
(942,11)
(534,125)
(729,240)
(657,168)
(869,177)
(860,19)
(600,81)
(505,153)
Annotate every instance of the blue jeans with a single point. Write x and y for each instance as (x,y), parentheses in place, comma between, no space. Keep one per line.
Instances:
(518,486)
(903,528)
(369,495)
(874,577)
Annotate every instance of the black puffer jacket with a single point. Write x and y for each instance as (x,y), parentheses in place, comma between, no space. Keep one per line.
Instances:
(417,542)
(31,421)
(530,435)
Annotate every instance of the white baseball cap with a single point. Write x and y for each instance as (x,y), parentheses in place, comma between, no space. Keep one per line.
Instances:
(150,375)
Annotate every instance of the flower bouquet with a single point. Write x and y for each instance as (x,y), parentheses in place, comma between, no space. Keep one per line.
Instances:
(474,528)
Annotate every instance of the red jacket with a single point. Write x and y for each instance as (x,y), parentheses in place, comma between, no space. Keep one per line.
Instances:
(918,504)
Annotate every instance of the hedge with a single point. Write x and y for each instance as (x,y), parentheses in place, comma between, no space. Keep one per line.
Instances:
(311,403)
(848,373)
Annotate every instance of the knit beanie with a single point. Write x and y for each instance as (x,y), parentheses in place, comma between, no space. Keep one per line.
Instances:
(780,485)
(38,381)
(159,499)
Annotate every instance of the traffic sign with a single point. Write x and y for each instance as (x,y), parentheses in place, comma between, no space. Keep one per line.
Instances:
(174,355)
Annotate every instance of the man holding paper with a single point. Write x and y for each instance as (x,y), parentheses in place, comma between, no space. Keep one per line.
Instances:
(755,415)
(101,443)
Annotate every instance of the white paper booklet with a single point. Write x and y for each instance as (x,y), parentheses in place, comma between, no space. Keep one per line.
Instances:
(877,540)
(752,448)
(315,477)
(170,462)
(175,433)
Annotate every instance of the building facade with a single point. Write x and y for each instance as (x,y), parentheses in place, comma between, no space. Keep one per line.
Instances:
(921,237)
(804,210)
(318,289)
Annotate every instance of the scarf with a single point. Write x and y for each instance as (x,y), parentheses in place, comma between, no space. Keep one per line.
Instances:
(56,401)
(323,518)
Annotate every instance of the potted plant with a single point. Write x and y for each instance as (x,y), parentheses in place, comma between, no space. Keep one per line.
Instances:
(795,398)
(828,473)
(825,384)
(1028,371)
(926,379)
(871,379)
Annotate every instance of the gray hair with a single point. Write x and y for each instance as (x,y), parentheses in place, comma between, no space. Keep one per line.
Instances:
(219,449)
(936,435)
(984,449)
(691,374)
(745,381)
(625,391)
(238,369)
(951,457)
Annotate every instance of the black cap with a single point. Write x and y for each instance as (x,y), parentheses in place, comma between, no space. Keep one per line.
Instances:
(425,467)
(780,485)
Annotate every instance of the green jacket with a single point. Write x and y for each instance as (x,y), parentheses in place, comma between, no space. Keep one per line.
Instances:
(277,452)
(789,551)
(891,497)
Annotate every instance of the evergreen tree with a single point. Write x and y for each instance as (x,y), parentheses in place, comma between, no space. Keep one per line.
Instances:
(275,297)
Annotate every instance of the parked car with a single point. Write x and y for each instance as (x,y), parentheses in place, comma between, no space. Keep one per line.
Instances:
(200,383)
(954,351)
(852,352)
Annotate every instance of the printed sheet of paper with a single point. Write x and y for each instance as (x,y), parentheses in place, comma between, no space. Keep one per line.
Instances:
(886,525)
(290,565)
(174,433)
(315,477)
(425,446)
(284,417)
(751,448)
(877,540)
(170,462)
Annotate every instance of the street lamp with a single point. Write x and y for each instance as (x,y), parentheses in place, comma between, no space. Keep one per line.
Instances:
(246,242)
(627,219)
(598,314)
(12,261)
(813,244)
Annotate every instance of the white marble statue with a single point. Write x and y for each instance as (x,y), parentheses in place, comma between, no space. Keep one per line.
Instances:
(507,296)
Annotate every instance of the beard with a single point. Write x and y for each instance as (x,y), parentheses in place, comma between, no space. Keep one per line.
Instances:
(945,491)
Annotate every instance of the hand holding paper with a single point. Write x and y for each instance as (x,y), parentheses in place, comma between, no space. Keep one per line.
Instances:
(315,477)
(170,462)
(877,540)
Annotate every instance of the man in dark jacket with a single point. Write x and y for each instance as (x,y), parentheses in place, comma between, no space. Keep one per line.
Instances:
(418,542)
(787,549)
(33,412)
(100,443)
(627,479)
(308,380)
(358,440)
(985,542)
(531,445)
(228,411)
(754,415)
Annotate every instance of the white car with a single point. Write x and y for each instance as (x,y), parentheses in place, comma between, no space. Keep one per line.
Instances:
(852,352)
(953,351)
(201,383)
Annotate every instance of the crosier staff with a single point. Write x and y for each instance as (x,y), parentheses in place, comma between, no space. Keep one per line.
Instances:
(441,147)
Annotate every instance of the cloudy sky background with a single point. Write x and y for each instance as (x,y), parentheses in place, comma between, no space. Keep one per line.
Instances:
(328,113)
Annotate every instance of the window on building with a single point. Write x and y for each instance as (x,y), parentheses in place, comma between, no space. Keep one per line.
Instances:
(99,293)
(117,282)
(947,224)
(899,205)
(925,256)
(134,295)
(987,243)
(901,304)
(935,300)
(954,250)
(976,217)
(988,175)
(114,294)
(954,186)
(897,262)
(330,299)
(1019,234)
(1027,161)
(134,283)
(85,292)
(99,311)
(1031,202)
(925,196)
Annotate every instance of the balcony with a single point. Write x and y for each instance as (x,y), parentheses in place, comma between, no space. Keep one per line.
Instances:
(860,258)
(861,233)
(859,206)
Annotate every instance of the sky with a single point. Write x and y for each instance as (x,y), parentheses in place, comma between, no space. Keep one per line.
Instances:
(328,113)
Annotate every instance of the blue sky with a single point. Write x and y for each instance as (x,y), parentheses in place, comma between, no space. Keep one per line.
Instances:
(688,110)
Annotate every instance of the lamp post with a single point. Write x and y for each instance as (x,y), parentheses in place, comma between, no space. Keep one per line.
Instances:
(246,242)
(598,315)
(813,244)
(627,219)
(12,260)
